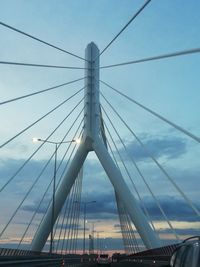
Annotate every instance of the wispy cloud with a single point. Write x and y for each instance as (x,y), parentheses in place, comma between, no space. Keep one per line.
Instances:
(166,146)
(175,208)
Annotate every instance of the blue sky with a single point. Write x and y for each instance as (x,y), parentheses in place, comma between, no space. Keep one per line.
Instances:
(169,86)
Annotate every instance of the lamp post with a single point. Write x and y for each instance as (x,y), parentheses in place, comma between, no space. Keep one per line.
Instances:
(98,242)
(84,220)
(54,178)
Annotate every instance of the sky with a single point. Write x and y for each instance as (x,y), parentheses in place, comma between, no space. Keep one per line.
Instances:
(170,87)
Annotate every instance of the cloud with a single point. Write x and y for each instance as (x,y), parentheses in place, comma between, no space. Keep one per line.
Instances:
(175,208)
(25,177)
(166,146)
(32,207)
(188,231)
(104,208)
(117,225)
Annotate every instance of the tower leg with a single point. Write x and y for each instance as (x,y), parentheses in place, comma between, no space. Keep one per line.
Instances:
(130,203)
(44,229)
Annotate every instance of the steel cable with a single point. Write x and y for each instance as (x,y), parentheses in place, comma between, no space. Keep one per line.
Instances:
(39,92)
(127,24)
(42,171)
(196,138)
(23,165)
(128,173)
(24,64)
(61,176)
(41,118)
(39,40)
(155,161)
(169,55)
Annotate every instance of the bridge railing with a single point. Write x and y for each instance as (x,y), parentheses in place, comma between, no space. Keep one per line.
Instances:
(20,252)
(160,255)
(19,257)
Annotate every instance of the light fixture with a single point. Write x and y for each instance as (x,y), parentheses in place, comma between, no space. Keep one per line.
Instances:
(77,141)
(35,139)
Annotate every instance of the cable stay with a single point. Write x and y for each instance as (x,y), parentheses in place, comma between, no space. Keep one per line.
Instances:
(194,137)
(39,92)
(123,231)
(75,214)
(48,187)
(38,177)
(127,24)
(45,115)
(78,209)
(169,55)
(128,242)
(131,246)
(31,156)
(25,197)
(132,242)
(61,229)
(40,65)
(118,204)
(59,180)
(65,208)
(138,170)
(107,144)
(69,219)
(135,188)
(64,212)
(128,173)
(131,230)
(34,214)
(188,201)
(56,228)
(61,176)
(74,217)
(39,40)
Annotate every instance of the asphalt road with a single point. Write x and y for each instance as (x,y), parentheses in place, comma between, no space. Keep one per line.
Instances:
(128,264)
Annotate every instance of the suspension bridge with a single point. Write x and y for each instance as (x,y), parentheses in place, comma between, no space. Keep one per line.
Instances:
(45,213)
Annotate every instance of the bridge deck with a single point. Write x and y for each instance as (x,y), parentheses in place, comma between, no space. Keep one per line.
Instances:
(130,264)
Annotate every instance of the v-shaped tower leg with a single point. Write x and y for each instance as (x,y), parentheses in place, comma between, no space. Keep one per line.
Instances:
(130,203)
(60,197)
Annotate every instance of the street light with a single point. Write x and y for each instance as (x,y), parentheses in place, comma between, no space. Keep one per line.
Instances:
(84,212)
(54,177)
(35,140)
(98,242)
(84,209)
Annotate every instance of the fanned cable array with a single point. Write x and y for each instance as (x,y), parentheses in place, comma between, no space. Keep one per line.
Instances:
(107,108)
(67,224)
(67,155)
(63,238)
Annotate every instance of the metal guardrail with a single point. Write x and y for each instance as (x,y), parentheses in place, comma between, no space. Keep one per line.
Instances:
(21,261)
(31,262)
(162,251)
(158,256)
(20,252)
(14,257)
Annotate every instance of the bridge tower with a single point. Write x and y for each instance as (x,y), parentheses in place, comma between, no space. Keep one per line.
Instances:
(92,140)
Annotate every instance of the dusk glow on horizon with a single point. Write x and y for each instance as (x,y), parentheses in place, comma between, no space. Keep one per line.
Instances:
(168,87)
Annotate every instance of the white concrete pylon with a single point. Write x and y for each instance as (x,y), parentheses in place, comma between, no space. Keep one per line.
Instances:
(91,141)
